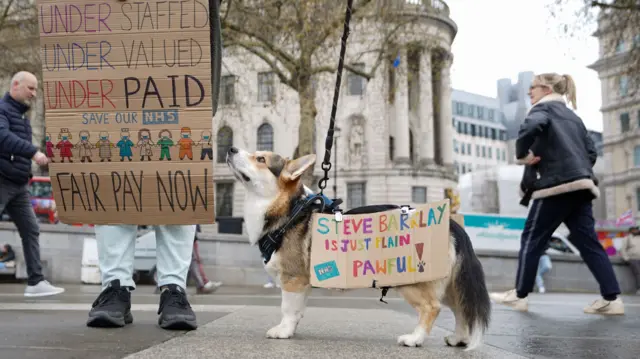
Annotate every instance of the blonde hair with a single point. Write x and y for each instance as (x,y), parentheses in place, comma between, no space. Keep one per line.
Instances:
(560,84)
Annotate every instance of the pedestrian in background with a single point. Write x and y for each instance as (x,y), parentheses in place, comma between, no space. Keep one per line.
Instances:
(203,284)
(630,253)
(564,191)
(16,154)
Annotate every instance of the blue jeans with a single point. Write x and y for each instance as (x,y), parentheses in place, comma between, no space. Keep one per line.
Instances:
(543,267)
(116,253)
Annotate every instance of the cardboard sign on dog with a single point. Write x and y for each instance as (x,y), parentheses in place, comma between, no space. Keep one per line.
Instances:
(387,247)
(128,110)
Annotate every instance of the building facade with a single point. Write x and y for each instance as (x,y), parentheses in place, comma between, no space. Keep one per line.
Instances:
(394,143)
(480,139)
(621,120)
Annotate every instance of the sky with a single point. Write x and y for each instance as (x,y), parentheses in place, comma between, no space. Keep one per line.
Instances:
(500,38)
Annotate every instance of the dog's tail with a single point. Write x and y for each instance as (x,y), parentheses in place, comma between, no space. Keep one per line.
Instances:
(473,298)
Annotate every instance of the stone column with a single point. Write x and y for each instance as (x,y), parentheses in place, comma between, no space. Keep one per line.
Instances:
(402,112)
(425,111)
(446,114)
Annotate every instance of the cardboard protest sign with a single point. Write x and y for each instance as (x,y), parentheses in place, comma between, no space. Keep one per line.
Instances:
(128,110)
(389,247)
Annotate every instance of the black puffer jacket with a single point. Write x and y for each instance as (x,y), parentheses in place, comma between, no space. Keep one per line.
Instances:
(16,149)
(567,153)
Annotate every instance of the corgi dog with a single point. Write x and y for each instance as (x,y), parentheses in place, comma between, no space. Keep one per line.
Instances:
(274,192)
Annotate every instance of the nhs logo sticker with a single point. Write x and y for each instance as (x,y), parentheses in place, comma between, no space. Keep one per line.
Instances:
(326,270)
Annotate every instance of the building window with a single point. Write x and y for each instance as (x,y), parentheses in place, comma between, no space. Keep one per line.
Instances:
(265,137)
(471,110)
(355,82)
(481,113)
(624,85)
(625,125)
(473,130)
(489,152)
(636,156)
(468,148)
(225,142)
(491,114)
(227,93)
(224,199)
(356,194)
(459,108)
(266,87)
(419,194)
(638,199)
(478,150)
(494,135)
(455,146)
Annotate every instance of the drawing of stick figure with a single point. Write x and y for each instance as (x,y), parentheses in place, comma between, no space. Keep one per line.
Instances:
(85,146)
(125,145)
(49,146)
(104,146)
(145,144)
(207,146)
(185,143)
(165,142)
(65,145)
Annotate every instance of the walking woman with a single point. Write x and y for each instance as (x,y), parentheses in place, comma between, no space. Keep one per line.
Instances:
(564,157)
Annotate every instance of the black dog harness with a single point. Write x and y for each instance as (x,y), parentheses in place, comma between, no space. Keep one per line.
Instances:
(272,241)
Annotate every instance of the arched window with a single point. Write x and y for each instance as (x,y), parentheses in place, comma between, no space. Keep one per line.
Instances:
(265,137)
(225,141)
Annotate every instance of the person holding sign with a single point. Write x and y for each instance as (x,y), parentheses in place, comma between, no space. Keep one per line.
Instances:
(116,253)
(16,154)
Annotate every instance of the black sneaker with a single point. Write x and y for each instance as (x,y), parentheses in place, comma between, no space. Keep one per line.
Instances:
(112,308)
(175,310)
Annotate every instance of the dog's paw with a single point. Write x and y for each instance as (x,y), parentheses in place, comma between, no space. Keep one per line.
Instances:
(411,340)
(453,341)
(280,332)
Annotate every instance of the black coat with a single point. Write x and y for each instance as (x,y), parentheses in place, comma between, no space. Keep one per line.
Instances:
(567,153)
(16,149)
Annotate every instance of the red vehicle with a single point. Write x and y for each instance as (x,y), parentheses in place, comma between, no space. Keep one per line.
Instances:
(42,199)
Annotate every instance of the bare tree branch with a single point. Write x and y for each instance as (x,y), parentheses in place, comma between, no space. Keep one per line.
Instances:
(618,24)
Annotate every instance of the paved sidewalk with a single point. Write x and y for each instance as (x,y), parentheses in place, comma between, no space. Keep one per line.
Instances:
(233,323)
(322,333)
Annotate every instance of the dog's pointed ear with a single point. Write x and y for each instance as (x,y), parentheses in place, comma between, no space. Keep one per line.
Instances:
(296,168)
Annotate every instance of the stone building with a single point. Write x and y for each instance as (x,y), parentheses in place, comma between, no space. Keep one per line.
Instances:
(621,119)
(395,143)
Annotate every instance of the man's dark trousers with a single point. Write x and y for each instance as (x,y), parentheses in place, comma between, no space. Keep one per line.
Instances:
(15,201)
(545,216)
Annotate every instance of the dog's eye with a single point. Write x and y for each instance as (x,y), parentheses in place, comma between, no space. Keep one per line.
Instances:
(260,159)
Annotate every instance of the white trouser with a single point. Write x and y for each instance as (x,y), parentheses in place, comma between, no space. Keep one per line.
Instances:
(116,253)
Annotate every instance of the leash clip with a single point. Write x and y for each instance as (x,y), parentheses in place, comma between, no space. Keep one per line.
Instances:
(337,213)
(406,209)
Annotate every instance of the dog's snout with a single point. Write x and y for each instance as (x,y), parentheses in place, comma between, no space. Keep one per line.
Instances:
(233,151)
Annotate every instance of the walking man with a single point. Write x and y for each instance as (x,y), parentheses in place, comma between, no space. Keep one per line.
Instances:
(16,153)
